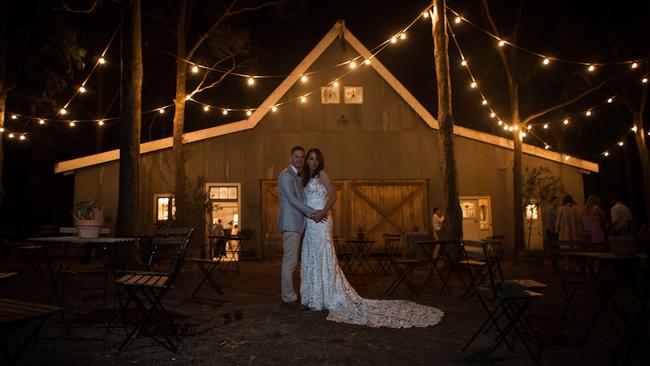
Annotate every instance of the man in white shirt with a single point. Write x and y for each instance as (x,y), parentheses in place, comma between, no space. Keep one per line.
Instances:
(436,222)
(619,213)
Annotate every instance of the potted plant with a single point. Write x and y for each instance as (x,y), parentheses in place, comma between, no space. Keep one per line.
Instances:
(88,219)
(622,241)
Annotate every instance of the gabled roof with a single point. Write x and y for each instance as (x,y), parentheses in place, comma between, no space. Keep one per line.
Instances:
(338,30)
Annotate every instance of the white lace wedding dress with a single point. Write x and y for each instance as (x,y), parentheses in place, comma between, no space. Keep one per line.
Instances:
(324,286)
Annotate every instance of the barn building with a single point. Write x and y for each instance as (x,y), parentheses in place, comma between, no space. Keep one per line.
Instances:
(380,145)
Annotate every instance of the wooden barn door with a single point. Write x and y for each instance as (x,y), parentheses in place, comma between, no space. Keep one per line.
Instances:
(394,207)
(374,206)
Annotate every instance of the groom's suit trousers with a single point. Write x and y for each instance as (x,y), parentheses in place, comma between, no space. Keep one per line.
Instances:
(290,245)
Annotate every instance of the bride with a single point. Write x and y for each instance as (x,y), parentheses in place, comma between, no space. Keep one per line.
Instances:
(322,282)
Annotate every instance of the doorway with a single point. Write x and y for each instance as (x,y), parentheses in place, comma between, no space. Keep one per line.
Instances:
(477,217)
(224,206)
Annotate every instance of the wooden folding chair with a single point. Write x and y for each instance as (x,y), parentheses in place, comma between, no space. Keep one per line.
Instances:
(17,314)
(147,289)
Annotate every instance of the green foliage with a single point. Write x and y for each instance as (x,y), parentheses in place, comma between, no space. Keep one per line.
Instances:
(88,210)
(540,185)
(47,59)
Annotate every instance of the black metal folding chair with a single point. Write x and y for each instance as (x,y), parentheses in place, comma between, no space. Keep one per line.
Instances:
(433,251)
(511,300)
(207,266)
(383,257)
(449,250)
(343,254)
(147,289)
(402,267)
(17,314)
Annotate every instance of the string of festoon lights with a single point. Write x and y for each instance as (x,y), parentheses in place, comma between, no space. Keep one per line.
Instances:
(195,68)
(545,59)
(81,89)
(589,112)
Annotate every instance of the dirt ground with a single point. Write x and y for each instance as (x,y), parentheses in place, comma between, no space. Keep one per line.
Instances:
(248,325)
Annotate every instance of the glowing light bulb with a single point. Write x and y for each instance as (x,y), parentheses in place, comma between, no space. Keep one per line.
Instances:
(22,137)
(402,36)
(620,143)
(463,63)
(100,122)
(195,69)
(224,112)
(2,129)
(635,65)
(644,80)
(591,68)
(606,153)
(516,127)
(473,84)
(634,129)
(522,134)
(41,121)
(72,124)
(502,43)
(353,64)
(251,80)
(588,113)
(546,126)
(206,108)
(500,122)
(492,115)
(566,157)
(546,147)
(367,61)
(11,135)
(303,99)
(425,14)
(484,102)
(529,127)
(546,61)
(304,78)
(511,128)
(13,116)
(335,84)
(505,127)
(63,111)
(610,100)
(566,121)
(274,109)
(101,60)
(249,112)
(458,20)
(393,39)
(82,89)
(161,110)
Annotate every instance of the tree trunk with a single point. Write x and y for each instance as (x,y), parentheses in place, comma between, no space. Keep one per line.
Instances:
(130,119)
(644,159)
(3,92)
(180,180)
(453,224)
(517,196)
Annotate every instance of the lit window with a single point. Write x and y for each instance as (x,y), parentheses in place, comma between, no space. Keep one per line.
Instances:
(469,210)
(162,207)
(531,212)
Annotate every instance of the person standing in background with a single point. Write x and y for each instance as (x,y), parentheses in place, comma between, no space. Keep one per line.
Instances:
(593,219)
(619,213)
(568,223)
(549,215)
(436,222)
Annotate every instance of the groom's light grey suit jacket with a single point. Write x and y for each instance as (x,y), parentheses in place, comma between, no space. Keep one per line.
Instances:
(292,202)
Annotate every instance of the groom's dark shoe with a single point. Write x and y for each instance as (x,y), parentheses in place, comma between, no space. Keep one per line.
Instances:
(295,305)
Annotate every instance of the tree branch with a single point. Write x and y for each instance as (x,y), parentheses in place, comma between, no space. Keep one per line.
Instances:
(88,11)
(564,104)
(214,26)
(515,31)
(232,56)
(227,14)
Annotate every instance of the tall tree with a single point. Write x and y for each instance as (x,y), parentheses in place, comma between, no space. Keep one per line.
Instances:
(130,119)
(510,60)
(184,55)
(3,88)
(453,224)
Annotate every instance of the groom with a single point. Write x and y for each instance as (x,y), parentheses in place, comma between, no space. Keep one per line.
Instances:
(291,224)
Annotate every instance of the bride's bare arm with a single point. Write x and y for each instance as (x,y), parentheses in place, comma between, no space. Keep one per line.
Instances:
(331,191)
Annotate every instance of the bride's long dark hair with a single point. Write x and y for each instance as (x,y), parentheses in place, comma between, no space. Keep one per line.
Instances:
(307,174)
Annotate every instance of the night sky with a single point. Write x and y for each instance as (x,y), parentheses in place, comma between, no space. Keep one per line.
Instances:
(281,37)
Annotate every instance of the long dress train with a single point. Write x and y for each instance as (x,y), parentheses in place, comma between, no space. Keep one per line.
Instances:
(324,286)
